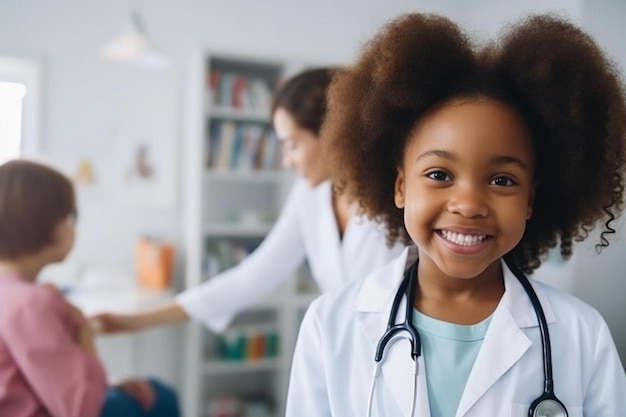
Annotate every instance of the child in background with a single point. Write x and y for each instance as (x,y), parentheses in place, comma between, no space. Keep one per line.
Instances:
(484,157)
(48,361)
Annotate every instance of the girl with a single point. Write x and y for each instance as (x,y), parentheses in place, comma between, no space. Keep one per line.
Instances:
(48,362)
(315,224)
(484,157)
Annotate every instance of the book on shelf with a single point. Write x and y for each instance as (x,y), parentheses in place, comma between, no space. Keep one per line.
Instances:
(238,91)
(248,343)
(223,254)
(270,157)
(233,406)
(225,144)
(242,147)
(249,146)
(213,82)
(215,134)
(259,95)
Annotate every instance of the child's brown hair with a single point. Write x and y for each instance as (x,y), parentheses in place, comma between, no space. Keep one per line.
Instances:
(547,69)
(34,198)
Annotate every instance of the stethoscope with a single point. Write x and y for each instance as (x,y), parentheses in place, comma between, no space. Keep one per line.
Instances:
(546,405)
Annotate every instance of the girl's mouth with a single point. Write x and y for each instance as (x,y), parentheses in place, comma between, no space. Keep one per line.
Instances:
(461,238)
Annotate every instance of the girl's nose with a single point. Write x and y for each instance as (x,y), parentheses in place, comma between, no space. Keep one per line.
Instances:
(468,201)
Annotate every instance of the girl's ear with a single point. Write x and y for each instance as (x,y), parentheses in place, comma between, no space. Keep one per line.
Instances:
(398,198)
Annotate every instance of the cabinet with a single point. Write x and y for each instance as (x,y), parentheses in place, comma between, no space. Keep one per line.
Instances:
(234,190)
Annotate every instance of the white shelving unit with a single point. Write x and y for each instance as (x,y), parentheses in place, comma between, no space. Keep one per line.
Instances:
(234,190)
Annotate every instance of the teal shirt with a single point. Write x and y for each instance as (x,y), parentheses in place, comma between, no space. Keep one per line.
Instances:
(449,351)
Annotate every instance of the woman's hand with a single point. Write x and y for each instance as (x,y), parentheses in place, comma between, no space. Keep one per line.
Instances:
(139,390)
(107,323)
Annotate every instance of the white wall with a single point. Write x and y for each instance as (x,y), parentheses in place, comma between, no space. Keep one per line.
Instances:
(91,106)
(487,17)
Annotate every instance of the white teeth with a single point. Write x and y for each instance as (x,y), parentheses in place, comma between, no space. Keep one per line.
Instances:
(461,239)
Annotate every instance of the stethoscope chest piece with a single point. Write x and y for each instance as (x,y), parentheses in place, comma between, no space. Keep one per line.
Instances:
(547,406)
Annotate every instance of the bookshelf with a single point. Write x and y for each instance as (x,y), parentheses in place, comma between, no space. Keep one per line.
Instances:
(234,190)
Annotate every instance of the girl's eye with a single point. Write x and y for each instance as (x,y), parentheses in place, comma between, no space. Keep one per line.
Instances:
(503,181)
(438,176)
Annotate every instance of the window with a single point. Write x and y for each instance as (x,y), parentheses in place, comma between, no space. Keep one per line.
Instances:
(11,95)
(19,105)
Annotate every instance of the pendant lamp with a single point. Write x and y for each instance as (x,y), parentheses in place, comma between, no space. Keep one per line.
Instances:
(134,46)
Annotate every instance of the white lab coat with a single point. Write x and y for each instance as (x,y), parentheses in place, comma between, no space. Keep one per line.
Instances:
(306,229)
(334,358)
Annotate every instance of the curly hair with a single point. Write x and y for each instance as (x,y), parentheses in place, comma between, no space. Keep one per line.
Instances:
(568,93)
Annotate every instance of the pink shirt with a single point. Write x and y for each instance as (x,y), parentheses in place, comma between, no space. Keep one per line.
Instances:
(43,370)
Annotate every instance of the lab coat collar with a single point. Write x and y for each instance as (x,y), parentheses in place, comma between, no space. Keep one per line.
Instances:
(378,290)
(513,313)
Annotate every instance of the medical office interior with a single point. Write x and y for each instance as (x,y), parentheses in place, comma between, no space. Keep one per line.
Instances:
(166,199)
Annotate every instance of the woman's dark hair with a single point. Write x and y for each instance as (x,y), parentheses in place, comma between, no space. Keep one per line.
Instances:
(34,198)
(304,97)
(547,69)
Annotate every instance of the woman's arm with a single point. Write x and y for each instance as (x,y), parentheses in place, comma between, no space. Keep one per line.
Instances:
(171,313)
(215,302)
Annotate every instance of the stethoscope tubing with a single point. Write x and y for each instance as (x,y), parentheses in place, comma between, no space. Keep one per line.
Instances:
(377,367)
(546,347)
(407,287)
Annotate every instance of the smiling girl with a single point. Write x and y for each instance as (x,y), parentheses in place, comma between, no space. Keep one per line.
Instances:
(485,157)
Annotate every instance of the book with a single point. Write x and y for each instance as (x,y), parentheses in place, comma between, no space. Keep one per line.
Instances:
(271,155)
(225,146)
(251,138)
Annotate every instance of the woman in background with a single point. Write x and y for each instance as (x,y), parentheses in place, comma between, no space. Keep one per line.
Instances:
(316,225)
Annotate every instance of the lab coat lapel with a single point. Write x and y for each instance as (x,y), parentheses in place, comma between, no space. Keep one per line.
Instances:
(495,357)
(374,301)
(505,342)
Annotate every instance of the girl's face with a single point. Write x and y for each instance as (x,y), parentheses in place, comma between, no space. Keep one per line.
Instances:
(466,185)
(301,148)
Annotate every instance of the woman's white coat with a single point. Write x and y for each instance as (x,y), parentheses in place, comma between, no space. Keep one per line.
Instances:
(334,358)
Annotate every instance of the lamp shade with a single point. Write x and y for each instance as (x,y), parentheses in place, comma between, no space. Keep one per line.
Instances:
(134,46)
